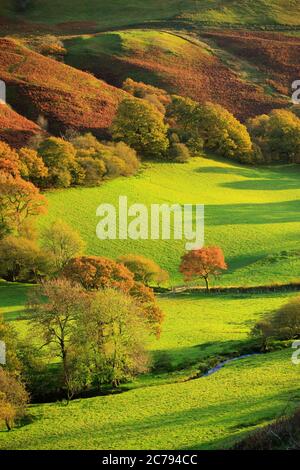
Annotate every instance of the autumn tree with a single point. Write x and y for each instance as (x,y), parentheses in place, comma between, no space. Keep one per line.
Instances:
(210,126)
(100,160)
(13,398)
(110,339)
(144,269)
(153,315)
(32,167)
(9,160)
(21,260)
(62,243)
(54,307)
(95,273)
(19,201)
(140,125)
(202,264)
(60,158)
(282,324)
(277,135)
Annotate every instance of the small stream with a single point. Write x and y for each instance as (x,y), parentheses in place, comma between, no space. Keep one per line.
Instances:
(222,364)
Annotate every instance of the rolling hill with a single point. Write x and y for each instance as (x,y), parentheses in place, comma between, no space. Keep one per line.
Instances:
(211,412)
(243,54)
(15,129)
(253,214)
(66,97)
(75,15)
(276,56)
(182,65)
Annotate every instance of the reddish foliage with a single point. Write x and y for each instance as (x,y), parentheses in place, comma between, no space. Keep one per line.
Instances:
(15,129)
(276,55)
(95,272)
(202,263)
(68,98)
(202,77)
(9,160)
(145,296)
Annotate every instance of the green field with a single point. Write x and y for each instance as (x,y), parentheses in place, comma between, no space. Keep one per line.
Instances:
(120,13)
(253,214)
(209,412)
(206,413)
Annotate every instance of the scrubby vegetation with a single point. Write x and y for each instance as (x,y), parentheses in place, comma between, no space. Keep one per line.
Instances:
(175,111)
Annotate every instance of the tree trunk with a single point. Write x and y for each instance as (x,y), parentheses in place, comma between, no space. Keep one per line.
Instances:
(206,283)
(8,425)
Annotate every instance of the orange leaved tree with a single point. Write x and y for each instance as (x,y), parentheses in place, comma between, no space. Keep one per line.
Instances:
(96,273)
(202,263)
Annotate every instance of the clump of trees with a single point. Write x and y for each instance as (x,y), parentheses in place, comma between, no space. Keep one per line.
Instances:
(20,200)
(160,126)
(95,272)
(283,324)
(145,270)
(142,127)
(97,330)
(83,160)
(180,127)
(57,162)
(210,126)
(203,263)
(277,136)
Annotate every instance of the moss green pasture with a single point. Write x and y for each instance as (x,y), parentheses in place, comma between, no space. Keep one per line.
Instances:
(207,413)
(118,13)
(252,213)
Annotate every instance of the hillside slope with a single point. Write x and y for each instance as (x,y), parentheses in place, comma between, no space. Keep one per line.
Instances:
(66,97)
(208,413)
(253,214)
(99,14)
(15,129)
(274,55)
(180,64)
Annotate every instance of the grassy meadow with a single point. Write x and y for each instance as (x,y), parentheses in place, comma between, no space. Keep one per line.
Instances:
(115,14)
(209,50)
(253,214)
(205,413)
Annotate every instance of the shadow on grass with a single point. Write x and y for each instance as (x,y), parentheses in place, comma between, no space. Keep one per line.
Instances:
(253,214)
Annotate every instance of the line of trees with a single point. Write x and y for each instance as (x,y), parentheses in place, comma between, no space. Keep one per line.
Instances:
(170,127)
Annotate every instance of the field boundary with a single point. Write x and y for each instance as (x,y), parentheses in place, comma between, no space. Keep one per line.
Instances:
(295,286)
